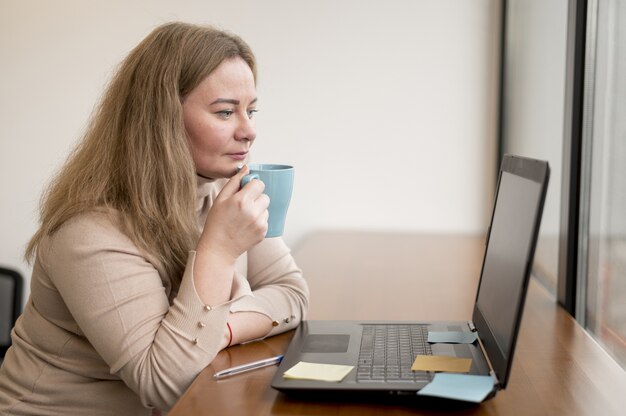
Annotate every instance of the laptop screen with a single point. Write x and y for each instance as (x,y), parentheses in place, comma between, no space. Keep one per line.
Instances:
(508,258)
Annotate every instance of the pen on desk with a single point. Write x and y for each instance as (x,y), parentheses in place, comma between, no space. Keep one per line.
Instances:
(247,367)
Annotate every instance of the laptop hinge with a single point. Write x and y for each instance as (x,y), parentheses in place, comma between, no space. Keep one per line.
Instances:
(492,373)
(496,383)
(471,326)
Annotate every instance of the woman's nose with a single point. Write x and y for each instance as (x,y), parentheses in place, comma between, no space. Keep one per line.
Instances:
(246,129)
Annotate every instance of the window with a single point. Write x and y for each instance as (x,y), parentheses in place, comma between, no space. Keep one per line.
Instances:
(533,100)
(602,236)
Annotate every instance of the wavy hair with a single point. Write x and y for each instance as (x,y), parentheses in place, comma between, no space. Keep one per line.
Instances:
(134,157)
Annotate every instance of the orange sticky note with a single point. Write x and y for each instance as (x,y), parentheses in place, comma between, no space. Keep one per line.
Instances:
(441,363)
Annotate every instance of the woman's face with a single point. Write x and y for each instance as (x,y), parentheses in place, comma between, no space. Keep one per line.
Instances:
(218,117)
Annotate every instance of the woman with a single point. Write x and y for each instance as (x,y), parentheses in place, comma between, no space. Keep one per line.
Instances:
(150,259)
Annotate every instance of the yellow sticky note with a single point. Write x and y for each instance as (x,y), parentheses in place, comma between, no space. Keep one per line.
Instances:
(320,372)
(441,363)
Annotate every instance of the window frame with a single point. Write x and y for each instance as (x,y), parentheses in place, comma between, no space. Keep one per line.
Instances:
(568,244)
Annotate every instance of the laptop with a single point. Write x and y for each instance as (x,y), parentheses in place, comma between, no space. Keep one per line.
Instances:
(505,273)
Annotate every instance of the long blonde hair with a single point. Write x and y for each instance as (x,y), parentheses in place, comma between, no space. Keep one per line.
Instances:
(134,157)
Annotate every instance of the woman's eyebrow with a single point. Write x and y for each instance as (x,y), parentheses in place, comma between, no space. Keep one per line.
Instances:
(225,101)
(230,101)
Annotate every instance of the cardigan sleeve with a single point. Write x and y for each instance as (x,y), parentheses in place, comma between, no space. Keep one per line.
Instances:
(120,304)
(278,287)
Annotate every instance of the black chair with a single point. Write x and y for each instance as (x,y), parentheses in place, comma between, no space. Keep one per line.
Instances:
(11,284)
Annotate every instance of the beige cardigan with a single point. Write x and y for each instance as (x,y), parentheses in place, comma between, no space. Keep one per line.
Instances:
(103,333)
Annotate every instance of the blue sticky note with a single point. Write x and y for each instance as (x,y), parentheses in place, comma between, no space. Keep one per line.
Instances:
(452,337)
(465,387)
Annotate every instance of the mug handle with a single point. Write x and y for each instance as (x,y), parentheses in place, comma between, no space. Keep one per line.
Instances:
(248,178)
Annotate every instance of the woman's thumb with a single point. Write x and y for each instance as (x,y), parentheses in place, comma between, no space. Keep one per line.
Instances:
(234,184)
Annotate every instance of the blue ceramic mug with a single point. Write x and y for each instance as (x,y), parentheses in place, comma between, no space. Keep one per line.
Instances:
(278,180)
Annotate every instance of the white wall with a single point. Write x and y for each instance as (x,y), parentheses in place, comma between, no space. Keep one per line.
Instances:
(387,108)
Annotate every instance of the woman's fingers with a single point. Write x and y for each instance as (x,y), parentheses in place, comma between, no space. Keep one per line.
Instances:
(234,183)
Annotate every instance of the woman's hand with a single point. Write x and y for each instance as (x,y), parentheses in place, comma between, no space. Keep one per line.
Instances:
(237,220)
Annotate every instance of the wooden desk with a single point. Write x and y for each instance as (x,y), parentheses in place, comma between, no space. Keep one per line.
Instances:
(558,369)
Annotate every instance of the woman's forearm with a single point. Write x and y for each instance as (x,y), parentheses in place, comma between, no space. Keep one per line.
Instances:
(213,277)
(247,326)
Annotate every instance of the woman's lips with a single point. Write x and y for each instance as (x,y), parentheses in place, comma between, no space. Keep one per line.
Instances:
(238,156)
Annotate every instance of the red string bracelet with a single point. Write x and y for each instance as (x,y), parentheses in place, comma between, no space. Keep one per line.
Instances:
(230,332)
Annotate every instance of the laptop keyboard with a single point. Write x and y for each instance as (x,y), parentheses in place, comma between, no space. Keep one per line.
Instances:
(388,351)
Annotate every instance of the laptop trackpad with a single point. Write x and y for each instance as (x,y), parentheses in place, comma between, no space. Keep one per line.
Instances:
(326,343)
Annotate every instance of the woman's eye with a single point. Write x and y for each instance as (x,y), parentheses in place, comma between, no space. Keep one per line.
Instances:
(225,114)
(251,112)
